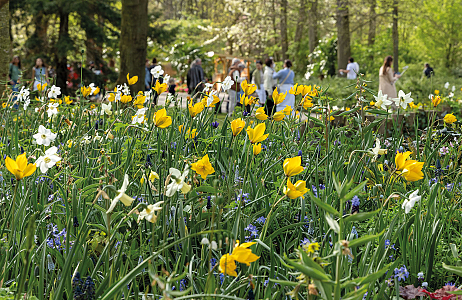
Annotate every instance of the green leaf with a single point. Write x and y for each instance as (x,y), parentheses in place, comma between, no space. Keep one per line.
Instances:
(333,224)
(310,262)
(364,239)
(348,112)
(377,112)
(310,272)
(455,292)
(284,282)
(453,269)
(323,205)
(354,191)
(361,216)
(207,189)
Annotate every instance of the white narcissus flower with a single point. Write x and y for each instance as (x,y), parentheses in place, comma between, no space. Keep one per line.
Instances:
(52,109)
(149,213)
(157,71)
(106,109)
(125,89)
(166,78)
(23,94)
(403,99)
(26,104)
(178,182)
(408,204)
(47,161)
(124,198)
(376,151)
(451,94)
(446,85)
(207,87)
(44,136)
(453,88)
(381,101)
(139,117)
(227,83)
(54,92)
(430,96)
(86,140)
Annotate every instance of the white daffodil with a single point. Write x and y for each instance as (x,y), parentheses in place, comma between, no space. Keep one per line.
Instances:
(178,182)
(93,88)
(52,109)
(166,78)
(211,97)
(23,94)
(408,204)
(157,71)
(451,94)
(106,109)
(403,99)
(124,198)
(97,137)
(26,103)
(86,140)
(208,86)
(47,161)
(149,213)
(381,101)
(376,151)
(430,96)
(44,136)
(227,83)
(446,85)
(453,88)
(54,92)
(138,118)
(148,93)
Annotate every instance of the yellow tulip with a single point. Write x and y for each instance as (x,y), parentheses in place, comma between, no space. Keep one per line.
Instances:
(153,176)
(85,91)
(411,169)
(287,110)
(133,80)
(41,87)
(203,167)
(450,118)
(292,166)
(436,100)
(293,90)
(260,114)
(139,101)
(180,128)
(161,119)
(257,134)
(278,116)
(307,103)
(296,190)
(256,149)
(246,100)
(437,92)
(241,254)
(278,97)
(20,168)
(125,98)
(96,91)
(67,100)
(160,87)
(400,159)
(248,89)
(214,101)
(195,109)
(237,126)
(191,134)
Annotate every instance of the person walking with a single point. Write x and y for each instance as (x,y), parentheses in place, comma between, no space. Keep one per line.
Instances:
(387,78)
(286,82)
(269,85)
(257,79)
(352,69)
(14,73)
(428,71)
(195,77)
(39,73)
(235,74)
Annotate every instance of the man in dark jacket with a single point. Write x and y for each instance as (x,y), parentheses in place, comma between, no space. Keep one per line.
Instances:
(195,77)
(428,71)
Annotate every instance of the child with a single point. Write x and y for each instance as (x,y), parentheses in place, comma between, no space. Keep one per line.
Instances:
(171,86)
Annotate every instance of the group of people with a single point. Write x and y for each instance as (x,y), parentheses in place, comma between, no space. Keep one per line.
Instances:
(39,73)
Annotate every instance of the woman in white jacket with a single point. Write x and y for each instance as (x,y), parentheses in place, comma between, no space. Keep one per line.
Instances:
(269,83)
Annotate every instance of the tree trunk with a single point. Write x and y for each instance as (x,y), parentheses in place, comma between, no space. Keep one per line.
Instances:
(63,45)
(37,44)
(313,26)
(343,33)
(2,3)
(284,41)
(395,36)
(133,41)
(300,24)
(372,26)
(5,54)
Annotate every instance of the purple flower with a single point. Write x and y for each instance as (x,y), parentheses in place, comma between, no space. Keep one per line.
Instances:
(401,273)
(215,124)
(444,150)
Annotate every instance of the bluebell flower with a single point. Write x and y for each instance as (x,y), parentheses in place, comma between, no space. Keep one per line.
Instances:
(209,202)
(300,152)
(449,284)
(213,262)
(354,231)
(315,190)
(420,275)
(401,273)
(261,220)
(183,283)
(215,124)
(76,222)
(50,263)
(252,229)
(365,296)
(89,288)
(305,241)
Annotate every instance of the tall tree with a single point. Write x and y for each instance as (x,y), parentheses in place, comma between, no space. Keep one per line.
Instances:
(5,48)
(313,26)
(343,33)
(372,28)
(133,41)
(395,36)
(300,24)
(284,40)
(63,45)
